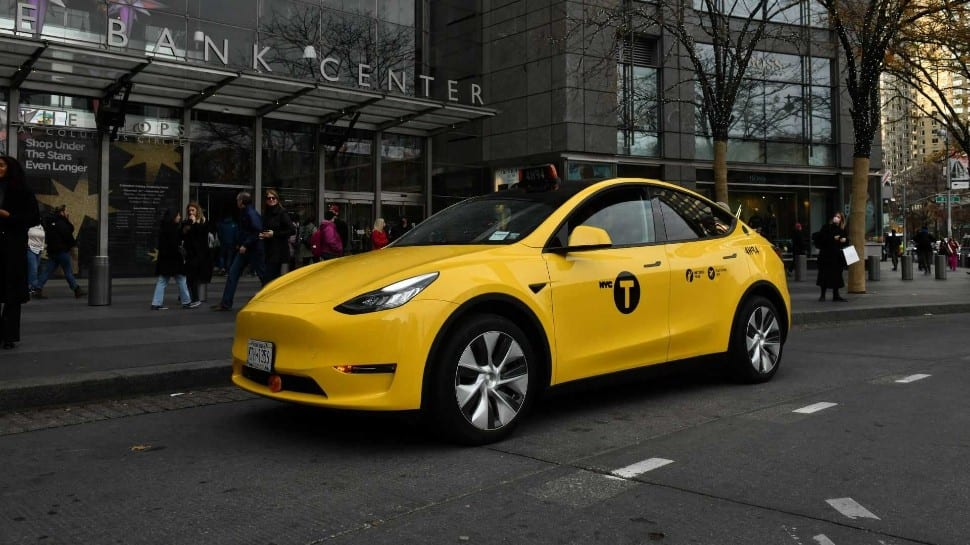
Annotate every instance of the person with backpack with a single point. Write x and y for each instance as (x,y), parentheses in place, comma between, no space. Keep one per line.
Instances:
(59,235)
(325,242)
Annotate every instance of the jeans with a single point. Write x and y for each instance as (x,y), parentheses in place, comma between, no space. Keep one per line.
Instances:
(33,263)
(239,263)
(162,283)
(62,260)
(226,255)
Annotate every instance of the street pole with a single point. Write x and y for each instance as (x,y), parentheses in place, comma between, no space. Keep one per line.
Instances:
(949,206)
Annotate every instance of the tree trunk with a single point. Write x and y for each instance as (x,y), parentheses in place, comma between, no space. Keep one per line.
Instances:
(857,222)
(720,171)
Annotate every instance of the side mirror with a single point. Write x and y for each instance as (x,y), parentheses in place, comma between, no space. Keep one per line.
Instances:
(587,235)
(586,238)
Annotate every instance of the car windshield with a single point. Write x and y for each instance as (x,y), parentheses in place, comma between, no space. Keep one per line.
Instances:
(482,220)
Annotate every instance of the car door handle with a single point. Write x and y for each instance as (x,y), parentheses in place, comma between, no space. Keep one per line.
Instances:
(732,256)
(654,264)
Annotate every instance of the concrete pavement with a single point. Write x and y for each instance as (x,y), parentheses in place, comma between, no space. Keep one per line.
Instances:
(72,352)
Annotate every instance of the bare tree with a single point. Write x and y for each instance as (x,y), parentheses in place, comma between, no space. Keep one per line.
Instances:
(719,39)
(867,31)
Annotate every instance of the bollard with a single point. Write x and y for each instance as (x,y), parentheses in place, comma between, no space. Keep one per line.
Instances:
(800,263)
(99,285)
(906,265)
(203,291)
(873,262)
(939,263)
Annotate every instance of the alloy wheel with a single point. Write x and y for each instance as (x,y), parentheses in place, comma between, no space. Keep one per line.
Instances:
(492,380)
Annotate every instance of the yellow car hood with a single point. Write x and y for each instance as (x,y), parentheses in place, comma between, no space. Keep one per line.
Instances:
(338,280)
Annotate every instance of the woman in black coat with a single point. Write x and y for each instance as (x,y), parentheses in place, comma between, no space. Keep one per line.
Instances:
(830,240)
(277,228)
(18,213)
(171,261)
(198,258)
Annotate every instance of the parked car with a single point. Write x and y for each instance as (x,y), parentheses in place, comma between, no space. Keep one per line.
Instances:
(475,311)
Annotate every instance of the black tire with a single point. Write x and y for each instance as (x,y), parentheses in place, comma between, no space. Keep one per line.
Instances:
(476,397)
(756,341)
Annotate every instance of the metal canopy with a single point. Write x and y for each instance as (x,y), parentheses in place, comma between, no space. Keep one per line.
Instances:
(53,67)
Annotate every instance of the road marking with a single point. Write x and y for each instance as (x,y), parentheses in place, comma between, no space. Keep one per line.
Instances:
(815,408)
(912,378)
(640,468)
(850,508)
(821,539)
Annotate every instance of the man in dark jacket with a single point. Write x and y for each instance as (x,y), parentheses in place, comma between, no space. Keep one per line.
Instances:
(59,234)
(250,251)
(924,248)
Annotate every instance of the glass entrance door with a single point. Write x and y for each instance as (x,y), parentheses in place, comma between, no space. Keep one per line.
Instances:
(359,216)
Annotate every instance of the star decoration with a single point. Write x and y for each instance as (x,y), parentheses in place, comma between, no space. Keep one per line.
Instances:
(79,201)
(153,156)
(154,255)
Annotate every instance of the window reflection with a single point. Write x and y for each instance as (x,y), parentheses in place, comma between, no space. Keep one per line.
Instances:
(348,159)
(402,163)
(290,164)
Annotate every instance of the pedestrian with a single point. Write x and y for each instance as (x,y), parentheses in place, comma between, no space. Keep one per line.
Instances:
(277,228)
(799,243)
(228,233)
(35,247)
(342,230)
(398,230)
(325,242)
(170,261)
(378,237)
(952,252)
(18,211)
(250,252)
(893,242)
(198,256)
(59,235)
(924,248)
(303,254)
(830,240)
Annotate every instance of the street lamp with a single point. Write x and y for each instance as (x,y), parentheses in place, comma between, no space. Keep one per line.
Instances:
(946,164)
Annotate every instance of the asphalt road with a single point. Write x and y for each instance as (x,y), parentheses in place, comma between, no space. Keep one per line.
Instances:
(835,450)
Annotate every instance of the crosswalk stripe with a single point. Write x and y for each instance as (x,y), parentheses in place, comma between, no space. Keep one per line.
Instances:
(851,508)
(912,378)
(815,408)
(640,468)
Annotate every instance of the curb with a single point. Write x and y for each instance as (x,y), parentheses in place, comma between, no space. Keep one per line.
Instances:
(86,387)
(829,316)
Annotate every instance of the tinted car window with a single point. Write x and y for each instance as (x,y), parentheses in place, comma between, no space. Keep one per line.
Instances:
(622,212)
(686,217)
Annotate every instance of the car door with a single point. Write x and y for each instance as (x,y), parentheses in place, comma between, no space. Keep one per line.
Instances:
(708,271)
(610,304)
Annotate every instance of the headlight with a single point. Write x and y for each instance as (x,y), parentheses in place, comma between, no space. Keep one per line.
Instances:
(388,297)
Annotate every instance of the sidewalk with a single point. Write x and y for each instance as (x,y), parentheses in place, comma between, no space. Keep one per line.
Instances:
(71,352)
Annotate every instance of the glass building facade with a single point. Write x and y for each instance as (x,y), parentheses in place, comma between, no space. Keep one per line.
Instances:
(384,108)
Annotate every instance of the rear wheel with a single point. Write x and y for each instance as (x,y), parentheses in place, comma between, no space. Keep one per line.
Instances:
(756,341)
(484,380)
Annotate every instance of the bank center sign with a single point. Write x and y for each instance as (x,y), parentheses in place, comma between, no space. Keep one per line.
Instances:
(329,67)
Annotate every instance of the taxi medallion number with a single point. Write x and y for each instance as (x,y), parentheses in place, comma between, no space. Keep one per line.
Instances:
(260,356)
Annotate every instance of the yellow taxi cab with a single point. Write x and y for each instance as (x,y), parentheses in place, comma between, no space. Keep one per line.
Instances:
(476,310)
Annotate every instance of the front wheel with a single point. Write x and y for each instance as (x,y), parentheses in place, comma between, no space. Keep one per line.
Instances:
(483,382)
(756,341)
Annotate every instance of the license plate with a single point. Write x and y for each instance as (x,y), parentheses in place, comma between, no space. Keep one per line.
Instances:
(260,356)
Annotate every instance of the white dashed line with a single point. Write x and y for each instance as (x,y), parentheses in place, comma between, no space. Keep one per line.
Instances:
(821,539)
(815,408)
(850,508)
(912,378)
(639,468)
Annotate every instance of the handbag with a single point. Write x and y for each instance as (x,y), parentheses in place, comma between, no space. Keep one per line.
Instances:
(851,256)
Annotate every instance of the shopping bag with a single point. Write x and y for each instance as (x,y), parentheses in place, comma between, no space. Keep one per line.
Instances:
(851,256)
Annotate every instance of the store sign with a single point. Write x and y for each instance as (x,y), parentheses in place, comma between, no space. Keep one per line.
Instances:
(329,68)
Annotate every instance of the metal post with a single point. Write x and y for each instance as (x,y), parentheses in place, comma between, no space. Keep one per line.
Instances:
(13,120)
(939,263)
(800,264)
(873,263)
(99,284)
(906,266)
(949,206)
